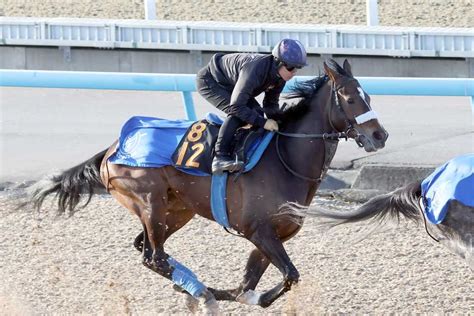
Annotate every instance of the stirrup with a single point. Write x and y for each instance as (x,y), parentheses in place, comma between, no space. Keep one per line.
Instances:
(221,164)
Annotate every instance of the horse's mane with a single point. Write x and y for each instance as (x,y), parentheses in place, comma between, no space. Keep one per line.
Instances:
(305,91)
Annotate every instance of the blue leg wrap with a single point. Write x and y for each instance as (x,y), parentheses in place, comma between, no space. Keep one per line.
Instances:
(185,278)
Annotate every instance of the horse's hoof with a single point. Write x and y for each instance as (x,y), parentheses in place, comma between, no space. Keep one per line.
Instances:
(191,303)
(178,289)
(250,297)
(211,307)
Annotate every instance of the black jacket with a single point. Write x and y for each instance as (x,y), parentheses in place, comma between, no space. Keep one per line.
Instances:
(248,75)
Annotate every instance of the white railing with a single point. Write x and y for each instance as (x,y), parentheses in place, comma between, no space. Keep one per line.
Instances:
(227,36)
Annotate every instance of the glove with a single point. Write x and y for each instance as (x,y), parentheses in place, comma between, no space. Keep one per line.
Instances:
(271,125)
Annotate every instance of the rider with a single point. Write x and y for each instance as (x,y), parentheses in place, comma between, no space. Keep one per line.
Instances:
(231,82)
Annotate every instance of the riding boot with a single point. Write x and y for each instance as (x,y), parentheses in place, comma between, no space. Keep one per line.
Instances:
(223,160)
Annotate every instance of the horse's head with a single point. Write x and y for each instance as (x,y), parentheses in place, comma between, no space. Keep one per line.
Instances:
(353,113)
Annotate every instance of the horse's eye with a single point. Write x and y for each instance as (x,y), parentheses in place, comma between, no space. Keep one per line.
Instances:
(350,101)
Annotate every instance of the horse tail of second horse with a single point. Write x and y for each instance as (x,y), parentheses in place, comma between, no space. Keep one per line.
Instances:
(402,202)
(70,185)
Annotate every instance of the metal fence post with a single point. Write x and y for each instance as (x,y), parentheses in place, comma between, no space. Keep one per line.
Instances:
(472,109)
(150,9)
(372,13)
(189,106)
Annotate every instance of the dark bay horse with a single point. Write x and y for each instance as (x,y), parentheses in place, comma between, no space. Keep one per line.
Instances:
(290,170)
(456,231)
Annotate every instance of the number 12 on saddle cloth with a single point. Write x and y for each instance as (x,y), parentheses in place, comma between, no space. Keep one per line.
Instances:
(195,150)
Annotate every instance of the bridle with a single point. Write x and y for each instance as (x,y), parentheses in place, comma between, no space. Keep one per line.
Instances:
(350,130)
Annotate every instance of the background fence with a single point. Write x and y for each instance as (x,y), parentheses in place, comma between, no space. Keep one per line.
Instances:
(186,83)
(235,37)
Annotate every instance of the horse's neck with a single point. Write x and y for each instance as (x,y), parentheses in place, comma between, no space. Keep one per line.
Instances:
(307,155)
(317,118)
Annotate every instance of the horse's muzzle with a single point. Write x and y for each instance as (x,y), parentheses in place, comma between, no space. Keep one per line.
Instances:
(373,143)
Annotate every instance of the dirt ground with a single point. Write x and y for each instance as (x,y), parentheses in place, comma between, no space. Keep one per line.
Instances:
(425,13)
(86,264)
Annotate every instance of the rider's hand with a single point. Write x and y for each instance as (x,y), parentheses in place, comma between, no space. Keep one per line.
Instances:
(271,125)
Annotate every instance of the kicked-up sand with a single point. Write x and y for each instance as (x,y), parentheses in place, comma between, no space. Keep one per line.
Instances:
(87,264)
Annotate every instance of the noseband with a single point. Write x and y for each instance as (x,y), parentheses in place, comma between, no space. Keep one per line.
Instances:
(324,136)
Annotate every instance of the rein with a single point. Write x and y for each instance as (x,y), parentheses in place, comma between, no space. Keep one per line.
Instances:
(334,136)
(323,136)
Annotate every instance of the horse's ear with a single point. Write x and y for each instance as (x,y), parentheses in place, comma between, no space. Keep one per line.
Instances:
(331,72)
(347,67)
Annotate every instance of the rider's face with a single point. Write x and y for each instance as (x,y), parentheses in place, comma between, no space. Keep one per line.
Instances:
(286,73)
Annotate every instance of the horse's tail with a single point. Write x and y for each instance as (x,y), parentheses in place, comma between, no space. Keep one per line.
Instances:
(402,202)
(69,185)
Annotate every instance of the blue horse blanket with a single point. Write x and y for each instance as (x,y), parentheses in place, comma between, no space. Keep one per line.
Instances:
(452,181)
(150,142)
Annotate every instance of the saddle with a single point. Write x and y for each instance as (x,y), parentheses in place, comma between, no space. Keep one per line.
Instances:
(149,142)
(196,149)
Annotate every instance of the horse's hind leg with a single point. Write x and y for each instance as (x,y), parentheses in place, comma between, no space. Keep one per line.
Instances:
(256,266)
(139,240)
(174,222)
(456,232)
(159,224)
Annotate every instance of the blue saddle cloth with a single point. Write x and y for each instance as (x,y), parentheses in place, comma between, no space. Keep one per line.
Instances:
(150,142)
(452,181)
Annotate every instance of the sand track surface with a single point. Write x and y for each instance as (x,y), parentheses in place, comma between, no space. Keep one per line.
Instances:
(86,264)
(442,13)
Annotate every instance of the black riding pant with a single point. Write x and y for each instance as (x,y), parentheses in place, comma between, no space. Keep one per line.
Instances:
(219,96)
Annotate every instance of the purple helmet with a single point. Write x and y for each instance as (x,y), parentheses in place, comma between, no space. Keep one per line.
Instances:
(290,52)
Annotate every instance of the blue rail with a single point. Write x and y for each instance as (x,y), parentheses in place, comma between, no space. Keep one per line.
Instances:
(186,83)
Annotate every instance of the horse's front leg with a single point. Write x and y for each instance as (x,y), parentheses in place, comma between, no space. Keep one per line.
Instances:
(256,266)
(267,241)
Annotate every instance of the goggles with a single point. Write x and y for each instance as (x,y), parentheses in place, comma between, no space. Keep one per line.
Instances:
(290,68)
